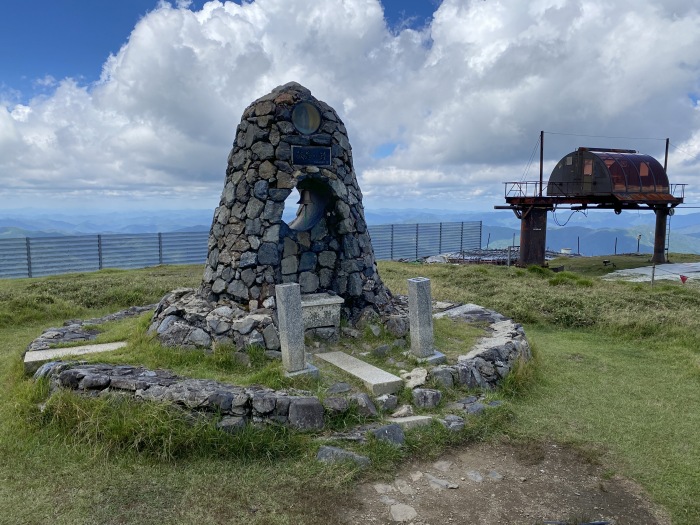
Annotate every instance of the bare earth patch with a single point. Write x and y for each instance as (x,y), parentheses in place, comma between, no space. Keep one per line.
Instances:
(501,484)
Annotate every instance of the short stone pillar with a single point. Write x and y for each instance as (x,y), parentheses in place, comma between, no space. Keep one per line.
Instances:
(291,330)
(420,313)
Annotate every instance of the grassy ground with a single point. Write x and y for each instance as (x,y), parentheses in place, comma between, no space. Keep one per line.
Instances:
(594,266)
(617,376)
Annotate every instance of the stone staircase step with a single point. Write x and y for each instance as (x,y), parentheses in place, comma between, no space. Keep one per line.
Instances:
(375,379)
(33,360)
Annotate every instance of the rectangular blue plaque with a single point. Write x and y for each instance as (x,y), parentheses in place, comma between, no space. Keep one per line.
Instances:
(311,155)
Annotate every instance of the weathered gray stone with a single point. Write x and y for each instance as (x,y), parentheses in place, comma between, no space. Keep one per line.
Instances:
(397,325)
(248,259)
(365,407)
(443,376)
(263,150)
(386,402)
(426,397)
(328,454)
(306,413)
(392,433)
(309,282)
(268,254)
(199,337)
(231,424)
(94,382)
(381,350)
(264,403)
(336,405)
(452,422)
(307,262)
(271,338)
(290,265)
(260,189)
(438,483)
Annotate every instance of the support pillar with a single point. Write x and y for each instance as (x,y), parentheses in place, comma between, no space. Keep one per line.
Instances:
(659,256)
(533,236)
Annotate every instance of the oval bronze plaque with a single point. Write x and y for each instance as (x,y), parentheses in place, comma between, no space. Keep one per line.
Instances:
(306,118)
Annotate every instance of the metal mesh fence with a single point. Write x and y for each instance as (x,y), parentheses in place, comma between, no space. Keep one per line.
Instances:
(39,256)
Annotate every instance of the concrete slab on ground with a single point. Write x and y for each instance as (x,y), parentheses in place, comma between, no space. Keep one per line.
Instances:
(375,379)
(669,271)
(33,360)
(409,422)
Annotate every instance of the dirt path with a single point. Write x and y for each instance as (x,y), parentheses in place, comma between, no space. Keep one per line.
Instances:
(502,484)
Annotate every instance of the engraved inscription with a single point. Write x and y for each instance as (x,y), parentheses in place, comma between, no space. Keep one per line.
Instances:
(311,155)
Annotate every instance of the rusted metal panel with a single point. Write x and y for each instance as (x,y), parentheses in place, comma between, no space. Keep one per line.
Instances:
(660,236)
(533,236)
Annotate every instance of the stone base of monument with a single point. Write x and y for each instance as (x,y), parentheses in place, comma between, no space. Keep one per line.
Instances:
(321,310)
(310,371)
(321,315)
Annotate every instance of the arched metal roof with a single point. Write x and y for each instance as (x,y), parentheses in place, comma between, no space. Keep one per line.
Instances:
(623,174)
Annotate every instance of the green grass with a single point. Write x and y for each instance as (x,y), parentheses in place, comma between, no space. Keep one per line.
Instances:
(617,371)
(616,376)
(594,266)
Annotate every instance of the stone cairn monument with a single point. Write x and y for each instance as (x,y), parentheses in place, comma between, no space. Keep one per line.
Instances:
(286,140)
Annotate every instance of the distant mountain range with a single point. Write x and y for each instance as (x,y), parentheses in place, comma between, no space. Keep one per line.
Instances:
(596,233)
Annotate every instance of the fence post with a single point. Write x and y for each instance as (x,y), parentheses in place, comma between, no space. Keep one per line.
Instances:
(461,239)
(416,241)
(29,256)
(440,241)
(99,251)
(160,248)
(392,243)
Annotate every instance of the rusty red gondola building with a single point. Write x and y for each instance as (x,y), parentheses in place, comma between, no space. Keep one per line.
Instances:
(593,178)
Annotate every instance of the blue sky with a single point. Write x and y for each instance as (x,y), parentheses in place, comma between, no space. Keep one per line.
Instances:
(73,38)
(132,104)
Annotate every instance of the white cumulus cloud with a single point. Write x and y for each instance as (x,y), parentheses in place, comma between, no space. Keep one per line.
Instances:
(456,107)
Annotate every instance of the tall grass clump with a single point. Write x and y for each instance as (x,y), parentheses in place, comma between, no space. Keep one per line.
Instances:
(113,424)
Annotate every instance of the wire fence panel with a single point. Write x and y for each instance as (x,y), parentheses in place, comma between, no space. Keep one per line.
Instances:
(39,256)
(414,241)
(130,251)
(55,255)
(382,240)
(13,258)
(405,246)
(185,247)
(471,235)
(428,239)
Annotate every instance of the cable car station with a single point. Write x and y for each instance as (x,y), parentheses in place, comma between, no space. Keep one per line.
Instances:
(593,178)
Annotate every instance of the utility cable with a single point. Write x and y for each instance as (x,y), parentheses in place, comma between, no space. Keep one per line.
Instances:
(602,136)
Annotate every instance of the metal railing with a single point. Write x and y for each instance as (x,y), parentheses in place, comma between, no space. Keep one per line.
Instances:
(41,256)
(570,188)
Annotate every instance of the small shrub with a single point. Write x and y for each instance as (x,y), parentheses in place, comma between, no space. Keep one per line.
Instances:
(540,271)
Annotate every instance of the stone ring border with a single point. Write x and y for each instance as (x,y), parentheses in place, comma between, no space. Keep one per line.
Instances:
(488,362)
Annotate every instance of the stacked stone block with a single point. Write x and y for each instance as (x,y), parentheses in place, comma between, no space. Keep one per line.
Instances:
(327,247)
(251,249)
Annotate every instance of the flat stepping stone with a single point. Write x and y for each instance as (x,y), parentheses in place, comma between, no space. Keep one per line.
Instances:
(33,360)
(410,422)
(375,379)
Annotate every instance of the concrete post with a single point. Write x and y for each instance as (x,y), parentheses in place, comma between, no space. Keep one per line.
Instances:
(420,313)
(291,330)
